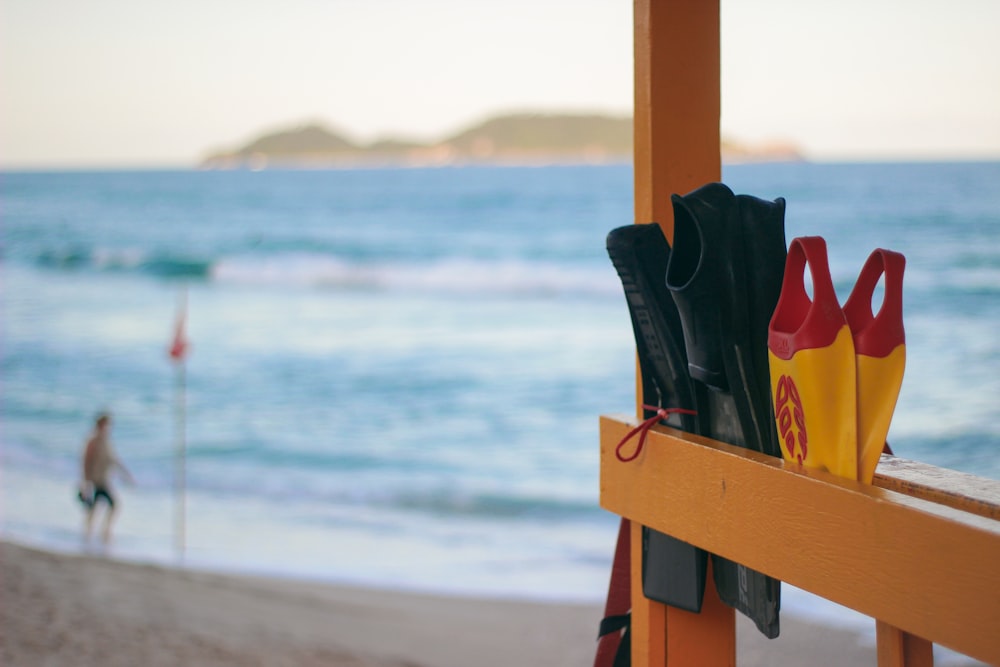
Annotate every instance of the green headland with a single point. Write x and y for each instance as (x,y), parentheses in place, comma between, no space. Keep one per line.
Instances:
(526,138)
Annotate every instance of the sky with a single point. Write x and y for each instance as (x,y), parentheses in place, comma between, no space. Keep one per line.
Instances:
(135,83)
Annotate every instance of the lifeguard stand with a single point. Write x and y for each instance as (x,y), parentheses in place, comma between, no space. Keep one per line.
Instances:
(918,550)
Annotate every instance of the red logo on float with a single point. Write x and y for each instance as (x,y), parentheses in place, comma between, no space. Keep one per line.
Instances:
(791,418)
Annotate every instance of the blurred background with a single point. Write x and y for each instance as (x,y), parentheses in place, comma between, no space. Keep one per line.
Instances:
(399,354)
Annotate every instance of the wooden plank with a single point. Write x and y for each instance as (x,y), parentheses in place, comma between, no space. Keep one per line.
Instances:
(706,638)
(677,103)
(649,619)
(925,568)
(668,636)
(676,149)
(960,490)
(899,649)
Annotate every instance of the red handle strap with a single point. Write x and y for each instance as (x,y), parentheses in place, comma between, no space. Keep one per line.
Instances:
(643,429)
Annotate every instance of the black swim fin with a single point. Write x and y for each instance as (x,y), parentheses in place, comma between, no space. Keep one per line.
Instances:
(724,275)
(673,571)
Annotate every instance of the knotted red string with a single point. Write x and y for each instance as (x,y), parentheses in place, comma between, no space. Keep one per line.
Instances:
(643,429)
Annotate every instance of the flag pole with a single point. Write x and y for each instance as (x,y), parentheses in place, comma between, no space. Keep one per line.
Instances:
(178,354)
(180,471)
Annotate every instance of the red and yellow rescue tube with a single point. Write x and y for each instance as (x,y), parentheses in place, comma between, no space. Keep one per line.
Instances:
(880,353)
(836,373)
(811,357)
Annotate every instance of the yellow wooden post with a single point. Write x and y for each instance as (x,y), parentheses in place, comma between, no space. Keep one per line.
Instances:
(900,649)
(677,103)
(676,117)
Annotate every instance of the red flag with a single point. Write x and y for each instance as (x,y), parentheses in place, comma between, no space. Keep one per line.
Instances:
(179,347)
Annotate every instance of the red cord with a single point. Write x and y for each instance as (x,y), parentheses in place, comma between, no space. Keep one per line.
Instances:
(643,429)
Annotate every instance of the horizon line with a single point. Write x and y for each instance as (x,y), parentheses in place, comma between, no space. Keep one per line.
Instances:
(155,165)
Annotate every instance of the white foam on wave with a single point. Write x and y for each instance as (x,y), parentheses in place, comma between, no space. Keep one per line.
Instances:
(293,270)
(457,276)
(123,258)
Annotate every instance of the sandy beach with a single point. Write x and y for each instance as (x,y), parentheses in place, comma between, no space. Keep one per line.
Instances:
(81,610)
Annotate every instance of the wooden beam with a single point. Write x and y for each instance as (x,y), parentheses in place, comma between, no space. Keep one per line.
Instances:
(676,139)
(896,648)
(925,568)
(946,487)
(677,103)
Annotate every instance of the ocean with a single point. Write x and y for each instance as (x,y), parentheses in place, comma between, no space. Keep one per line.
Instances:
(396,374)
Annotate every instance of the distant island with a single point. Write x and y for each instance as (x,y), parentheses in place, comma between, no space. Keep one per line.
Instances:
(523,139)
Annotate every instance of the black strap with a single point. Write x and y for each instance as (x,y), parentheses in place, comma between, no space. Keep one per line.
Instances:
(613,624)
(623,658)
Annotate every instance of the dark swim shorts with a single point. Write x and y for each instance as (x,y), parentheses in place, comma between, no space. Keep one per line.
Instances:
(99,492)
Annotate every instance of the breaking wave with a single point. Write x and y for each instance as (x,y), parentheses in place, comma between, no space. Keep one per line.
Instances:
(454,276)
(126,261)
(459,276)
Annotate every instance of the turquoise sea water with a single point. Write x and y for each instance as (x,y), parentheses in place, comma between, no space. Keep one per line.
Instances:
(396,374)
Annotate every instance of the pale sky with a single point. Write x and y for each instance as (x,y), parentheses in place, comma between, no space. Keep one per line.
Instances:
(139,83)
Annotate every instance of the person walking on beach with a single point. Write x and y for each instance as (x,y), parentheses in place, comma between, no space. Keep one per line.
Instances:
(99,461)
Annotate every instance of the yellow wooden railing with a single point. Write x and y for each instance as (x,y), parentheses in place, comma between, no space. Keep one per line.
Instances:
(919,550)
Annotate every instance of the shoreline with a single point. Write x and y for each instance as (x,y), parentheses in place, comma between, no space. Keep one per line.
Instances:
(81,609)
